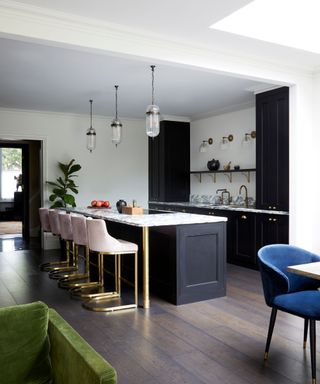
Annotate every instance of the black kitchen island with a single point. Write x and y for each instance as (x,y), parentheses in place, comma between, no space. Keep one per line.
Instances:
(182,257)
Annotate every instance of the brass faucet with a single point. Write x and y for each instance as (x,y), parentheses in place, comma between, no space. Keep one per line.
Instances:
(246,194)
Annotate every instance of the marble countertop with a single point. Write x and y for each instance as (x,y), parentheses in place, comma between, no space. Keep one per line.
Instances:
(148,220)
(223,207)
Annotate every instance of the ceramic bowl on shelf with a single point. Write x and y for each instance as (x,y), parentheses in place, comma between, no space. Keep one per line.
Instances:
(213,165)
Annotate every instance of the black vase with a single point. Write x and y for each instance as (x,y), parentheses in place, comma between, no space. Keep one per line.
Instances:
(120,204)
(213,165)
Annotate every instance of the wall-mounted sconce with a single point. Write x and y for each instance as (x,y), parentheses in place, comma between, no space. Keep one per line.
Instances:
(246,142)
(225,142)
(204,145)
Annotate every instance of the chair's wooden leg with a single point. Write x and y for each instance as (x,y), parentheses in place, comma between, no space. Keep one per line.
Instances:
(270,331)
(313,349)
(305,333)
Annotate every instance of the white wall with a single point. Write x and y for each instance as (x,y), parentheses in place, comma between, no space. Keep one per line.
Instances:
(236,123)
(108,173)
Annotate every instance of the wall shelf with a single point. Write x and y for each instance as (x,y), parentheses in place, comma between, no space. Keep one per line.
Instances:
(213,174)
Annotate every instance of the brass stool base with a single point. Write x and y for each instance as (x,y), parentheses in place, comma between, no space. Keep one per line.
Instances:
(93,304)
(62,273)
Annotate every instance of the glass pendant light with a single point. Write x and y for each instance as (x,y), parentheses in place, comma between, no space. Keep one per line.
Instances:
(116,124)
(91,133)
(153,113)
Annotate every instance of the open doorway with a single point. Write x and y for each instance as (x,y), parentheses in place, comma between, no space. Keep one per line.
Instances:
(20,189)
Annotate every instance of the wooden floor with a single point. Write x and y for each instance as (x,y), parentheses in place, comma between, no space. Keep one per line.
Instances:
(215,342)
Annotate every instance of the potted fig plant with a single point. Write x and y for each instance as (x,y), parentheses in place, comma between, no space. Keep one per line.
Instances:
(64,186)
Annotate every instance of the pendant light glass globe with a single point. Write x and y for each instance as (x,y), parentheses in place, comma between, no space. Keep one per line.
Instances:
(116,125)
(152,114)
(91,133)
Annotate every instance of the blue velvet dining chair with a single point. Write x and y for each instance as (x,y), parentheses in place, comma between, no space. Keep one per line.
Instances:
(288,292)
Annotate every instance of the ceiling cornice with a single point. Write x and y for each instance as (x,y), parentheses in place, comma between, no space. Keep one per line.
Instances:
(31,23)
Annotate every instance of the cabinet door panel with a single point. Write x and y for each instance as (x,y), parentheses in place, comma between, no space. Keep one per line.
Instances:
(272,152)
(272,229)
(245,240)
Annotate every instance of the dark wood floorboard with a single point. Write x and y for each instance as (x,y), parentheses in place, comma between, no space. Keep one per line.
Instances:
(218,341)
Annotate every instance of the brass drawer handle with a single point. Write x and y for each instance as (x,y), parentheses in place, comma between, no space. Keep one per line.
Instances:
(270,218)
(274,219)
(244,217)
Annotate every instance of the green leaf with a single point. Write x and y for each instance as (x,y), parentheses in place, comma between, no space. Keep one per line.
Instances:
(58,191)
(74,168)
(58,204)
(52,197)
(64,168)
(69,199)
(53,184)
(61,181)
(74,190)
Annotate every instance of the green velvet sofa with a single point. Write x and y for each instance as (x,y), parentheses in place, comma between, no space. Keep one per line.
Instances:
(37,346)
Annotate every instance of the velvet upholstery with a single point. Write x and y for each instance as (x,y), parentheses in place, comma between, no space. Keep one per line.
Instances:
(54,221)
(24,344)
(273,262)
(37,346)
(289,292)
(44,219)
(100,240)
(79,229)
(65,226)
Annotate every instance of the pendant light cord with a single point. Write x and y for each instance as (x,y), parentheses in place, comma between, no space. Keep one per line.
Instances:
(116,87)
(91,113)
(152,69)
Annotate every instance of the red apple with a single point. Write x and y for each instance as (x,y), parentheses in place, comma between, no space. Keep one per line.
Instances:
(106,204)
(93,203)
(99,204)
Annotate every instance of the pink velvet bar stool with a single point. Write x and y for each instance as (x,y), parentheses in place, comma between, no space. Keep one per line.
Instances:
(102,243)
(50,223)
(66,234)
(80,239)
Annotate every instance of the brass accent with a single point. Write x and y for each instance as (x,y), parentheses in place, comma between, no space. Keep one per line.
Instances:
(314,381)
(92,303)
(253,134)
(274,219)
(145,257)
(270,218)
(210,141)
(244,217)
(266,356)
(230,137)
(304,345)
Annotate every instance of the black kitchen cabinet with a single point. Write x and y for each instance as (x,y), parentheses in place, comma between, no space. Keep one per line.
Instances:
(272,229)
(244,240)
(272,149)
(169,162)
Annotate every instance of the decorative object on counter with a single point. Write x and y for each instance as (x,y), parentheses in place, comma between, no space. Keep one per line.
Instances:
(213,165)
(153,113)
(236,167)
(129,210)
(204,145)
(225,142)
(116,124)
(216,199)
(120,204)
(91,133)
(61,194)
(98,204)
(247,140)
(227,167)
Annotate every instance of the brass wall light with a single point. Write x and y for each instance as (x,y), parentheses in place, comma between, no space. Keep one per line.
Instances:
(225,142)
(204,145)
(247,140)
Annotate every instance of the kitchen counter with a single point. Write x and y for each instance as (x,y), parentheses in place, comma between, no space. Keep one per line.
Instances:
(182,256)
(230,207)
(148,219)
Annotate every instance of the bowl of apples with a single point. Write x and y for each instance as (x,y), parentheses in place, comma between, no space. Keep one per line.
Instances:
(99,204)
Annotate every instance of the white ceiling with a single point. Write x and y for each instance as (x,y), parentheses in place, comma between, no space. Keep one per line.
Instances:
(36,76)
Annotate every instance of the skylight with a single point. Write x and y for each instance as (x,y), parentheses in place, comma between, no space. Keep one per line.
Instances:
(293,23)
